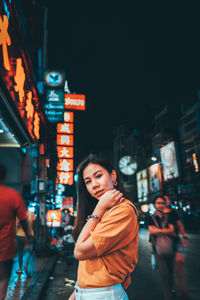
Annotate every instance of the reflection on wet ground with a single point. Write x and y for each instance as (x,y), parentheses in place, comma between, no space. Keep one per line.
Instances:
(20,282)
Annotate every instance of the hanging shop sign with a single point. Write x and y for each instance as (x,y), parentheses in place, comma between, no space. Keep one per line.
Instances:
(155,178)
(16,72)
(54,78)
(54,105)
(65,152)
(65,164)
(74,101)
(65,140)
(65,177)
(169,161)
(68,116)
(67,202)
(54,218)
(65,128)
(142,185)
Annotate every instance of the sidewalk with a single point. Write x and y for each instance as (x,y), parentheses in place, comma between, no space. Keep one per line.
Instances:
(63,278)
(21,286)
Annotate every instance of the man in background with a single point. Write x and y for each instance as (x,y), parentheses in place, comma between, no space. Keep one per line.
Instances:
(11,206)
(181,243)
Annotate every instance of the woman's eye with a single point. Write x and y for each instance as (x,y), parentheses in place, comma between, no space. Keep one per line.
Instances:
(99,175)
(87,182)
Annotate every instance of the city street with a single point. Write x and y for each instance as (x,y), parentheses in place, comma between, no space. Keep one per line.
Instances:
(146,283)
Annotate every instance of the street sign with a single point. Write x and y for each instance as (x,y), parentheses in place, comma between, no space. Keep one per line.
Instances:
(74,101)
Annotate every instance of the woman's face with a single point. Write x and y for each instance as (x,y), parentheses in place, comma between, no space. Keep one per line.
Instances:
(98,180)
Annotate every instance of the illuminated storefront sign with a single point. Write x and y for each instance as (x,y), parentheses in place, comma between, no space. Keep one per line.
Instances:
(65,152)
(67,202)
(54,78)
(65,128)
(54,105)
(65,164)
(169,161)
(142,185)
(65,177)
(195,162)
(155,178)
(15,73)
(68,116)
(75,101)
(54,218)
(65,140)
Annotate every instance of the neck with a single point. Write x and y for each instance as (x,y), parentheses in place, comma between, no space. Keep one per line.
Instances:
(159,213)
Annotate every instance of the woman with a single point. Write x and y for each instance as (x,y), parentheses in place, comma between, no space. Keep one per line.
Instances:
(106,233)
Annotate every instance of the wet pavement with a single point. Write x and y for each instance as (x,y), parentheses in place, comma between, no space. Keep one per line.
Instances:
(146,284)
(19,283)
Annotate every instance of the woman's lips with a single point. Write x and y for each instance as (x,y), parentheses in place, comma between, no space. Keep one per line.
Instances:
(99,193)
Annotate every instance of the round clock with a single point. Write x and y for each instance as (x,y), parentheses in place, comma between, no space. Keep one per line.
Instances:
(54,78)
(127,165)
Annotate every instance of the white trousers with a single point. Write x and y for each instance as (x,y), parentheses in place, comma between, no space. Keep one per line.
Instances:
(115,292)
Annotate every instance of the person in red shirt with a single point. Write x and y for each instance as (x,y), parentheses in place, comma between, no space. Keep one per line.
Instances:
(11,206)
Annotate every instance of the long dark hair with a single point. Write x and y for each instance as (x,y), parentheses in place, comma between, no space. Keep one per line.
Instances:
(86,203)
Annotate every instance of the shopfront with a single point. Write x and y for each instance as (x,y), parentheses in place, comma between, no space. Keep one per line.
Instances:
(21,116)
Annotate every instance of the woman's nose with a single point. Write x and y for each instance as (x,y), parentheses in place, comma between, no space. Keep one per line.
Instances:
(95,183)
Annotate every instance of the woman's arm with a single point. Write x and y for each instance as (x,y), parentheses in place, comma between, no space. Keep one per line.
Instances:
(84,248)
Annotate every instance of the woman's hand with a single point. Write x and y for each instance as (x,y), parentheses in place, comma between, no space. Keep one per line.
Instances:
(110,198)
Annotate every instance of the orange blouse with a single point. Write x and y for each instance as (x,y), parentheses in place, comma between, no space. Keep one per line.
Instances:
(116,240)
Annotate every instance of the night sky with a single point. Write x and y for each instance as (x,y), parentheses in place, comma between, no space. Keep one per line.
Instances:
(129,60)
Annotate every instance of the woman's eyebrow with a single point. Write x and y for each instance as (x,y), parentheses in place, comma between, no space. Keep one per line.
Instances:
(92,174)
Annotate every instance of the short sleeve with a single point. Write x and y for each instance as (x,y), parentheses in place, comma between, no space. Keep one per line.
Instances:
(149,221)
(21,210)
(115,230)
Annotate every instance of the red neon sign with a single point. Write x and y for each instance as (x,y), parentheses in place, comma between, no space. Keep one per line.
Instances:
(75,101)
(5,40)
(68,116)
(65,177)
(65,164)
(65,140)
(65,128)
(65,152)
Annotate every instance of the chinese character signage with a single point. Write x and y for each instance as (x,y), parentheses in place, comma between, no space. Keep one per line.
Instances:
(65,177)
(65,128)
(75,101)
(54,218)
(65,152)
(65,140)
(67,202)
(65,164)
(15,71)
(68,116)
(169,161)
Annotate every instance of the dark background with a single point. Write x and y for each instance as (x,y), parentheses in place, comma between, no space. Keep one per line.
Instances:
(129,60)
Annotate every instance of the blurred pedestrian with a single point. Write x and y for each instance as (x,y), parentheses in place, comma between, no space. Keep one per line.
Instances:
(181,243)
(106,233)
(162,238)
(22,240)
(11,206)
